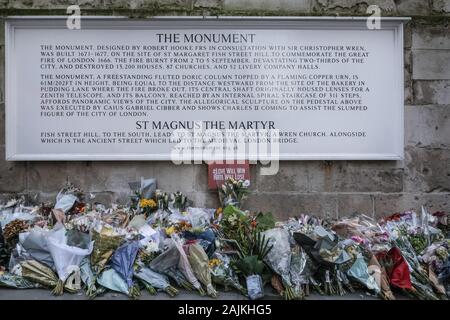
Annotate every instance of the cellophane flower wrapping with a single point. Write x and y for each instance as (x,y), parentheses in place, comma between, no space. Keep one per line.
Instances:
(110,279)
(297,271)
(123,259)
(35,271)
(106,240)
(66,258)
(359,271)
(222,273)
(184,266)
(156,280)
(279,258)
(199,263)
(89,279)
(9,280)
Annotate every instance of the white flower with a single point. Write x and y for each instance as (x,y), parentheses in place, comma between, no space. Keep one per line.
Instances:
(152,247)
(246,183)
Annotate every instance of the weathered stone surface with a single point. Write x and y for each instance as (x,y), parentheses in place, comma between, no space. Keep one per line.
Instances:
(2,73)
(407,58)
(284,205)
(2,33)
(2,124)
(354,6)
(441,6)
(348,176)
(12,174)
(386,204)
(431,37)
(431,64)
(351,204)
(205,199)
(292,176)
(53,4)
(427,126)
(147,4)
(268,5)
(407,35)
(412,7)
(47,177)
(432,92)
(173,178)
(427,170)
(208,3)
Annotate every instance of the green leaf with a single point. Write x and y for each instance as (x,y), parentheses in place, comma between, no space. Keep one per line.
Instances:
(265,221)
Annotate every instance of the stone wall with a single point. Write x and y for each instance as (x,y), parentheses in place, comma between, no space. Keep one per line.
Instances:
(332,188)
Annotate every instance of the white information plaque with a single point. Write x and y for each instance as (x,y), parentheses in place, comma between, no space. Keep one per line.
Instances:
(117,88)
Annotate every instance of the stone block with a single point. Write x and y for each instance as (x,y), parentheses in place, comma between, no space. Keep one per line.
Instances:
(407,35)
(427,126)
(291,176)
(268,5)
(431,92)
(285,205)
(412,7)
(354,176)
(408,94)
(46,177)
(441,6)
(12,174)
(427,170)
(387,204)
(205,199)
(353,204)
(172,178)
(54,4)
(2,74)
(431,64)
(353,6)
(2,124)
(431,37)
(208,4)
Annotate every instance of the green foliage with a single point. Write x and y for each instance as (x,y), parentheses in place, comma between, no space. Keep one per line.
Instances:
(265,221)
(249,265)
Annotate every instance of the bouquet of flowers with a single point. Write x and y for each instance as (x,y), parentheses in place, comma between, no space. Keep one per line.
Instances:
(122,262)
(147,206)
(106,240)
(298,273)
(199,263)
(89,280)
(279,258)
(253,267)
(177,276)
(110,279)
(154,279)
(36,272)
(12,230)
(10,280)
(233,192)
(66,258)
(222,273)
(77,232)
(180,201)
(185,267)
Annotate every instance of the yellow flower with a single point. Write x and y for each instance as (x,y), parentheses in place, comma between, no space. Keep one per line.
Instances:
(213,262)
(147,203)
(170,230)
